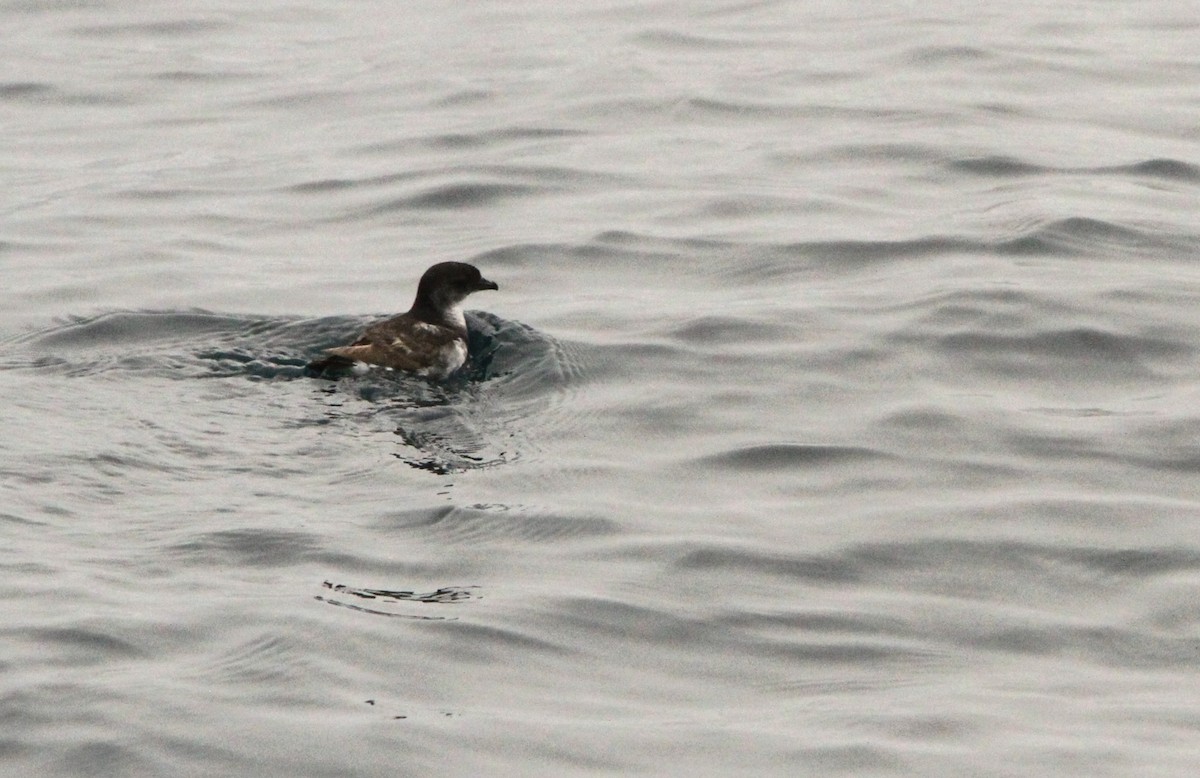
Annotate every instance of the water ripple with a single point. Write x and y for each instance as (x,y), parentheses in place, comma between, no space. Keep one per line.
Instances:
(1163,169)
(778,456)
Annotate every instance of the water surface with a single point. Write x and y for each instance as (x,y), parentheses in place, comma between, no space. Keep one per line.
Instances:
(836,416)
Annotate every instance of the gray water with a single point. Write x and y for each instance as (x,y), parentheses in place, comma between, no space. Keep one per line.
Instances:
(837,413)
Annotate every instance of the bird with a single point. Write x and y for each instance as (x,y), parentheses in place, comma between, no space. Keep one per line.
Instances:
(428,340)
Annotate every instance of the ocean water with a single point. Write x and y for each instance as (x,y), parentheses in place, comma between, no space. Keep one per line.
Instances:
(837,413)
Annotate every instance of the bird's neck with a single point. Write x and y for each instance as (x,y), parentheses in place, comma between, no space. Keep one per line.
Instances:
(447,313)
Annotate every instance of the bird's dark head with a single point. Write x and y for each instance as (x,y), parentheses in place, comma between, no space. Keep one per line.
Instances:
(443,288)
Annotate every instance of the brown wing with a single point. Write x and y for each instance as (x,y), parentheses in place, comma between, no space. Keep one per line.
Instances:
(398,343)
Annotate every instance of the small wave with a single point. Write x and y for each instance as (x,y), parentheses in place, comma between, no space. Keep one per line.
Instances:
(1103,644)
(1163,169)
(718,330)
(263,659)
(482,524)
(810,568)
(1079,343)
(202,344)
(999,166)
(171,29)
(947,55)
(327,185)
(996,167)
(26,90)
(248,548)
(82,645)
(789,455)
(176,344)
(452,197)
(1081,235)
(500,137)
(674,39)
(483,643)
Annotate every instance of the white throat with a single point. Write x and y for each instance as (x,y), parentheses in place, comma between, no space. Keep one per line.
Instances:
(455,314)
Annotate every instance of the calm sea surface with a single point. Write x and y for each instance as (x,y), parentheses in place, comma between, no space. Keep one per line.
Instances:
(838,413)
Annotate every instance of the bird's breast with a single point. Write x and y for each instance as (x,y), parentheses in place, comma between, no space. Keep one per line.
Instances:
(446,360)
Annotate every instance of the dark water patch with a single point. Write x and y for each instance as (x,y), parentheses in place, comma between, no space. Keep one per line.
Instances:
(1183,462)
(866,152)
(923,418)
(815,569)
(1079,343)
(1162,169)
(168,29)
(590,618)
(505,181)
(996,166)
(453,197)
(999,166)
(1082,353)
(500,137)
(725,330)
(612,248)
(9,247)
(713,107)
(307,98)
(990,309)
(83,645)
(455,98)
(849,758)
(853,253)
(248,547)
(652,243)
(1135,562)
(950,567)
(153,195)
(35,91)
(947,55)
(91,756)
(837,623)
(779,456)
(201,77)
(837,652)
(1081,235)
(1016,570)
(129,328)
(12,518)
(1088,412)
(724,109)
(1101,644)
(327,185)
(672,40)
(742,205)
(1165,457)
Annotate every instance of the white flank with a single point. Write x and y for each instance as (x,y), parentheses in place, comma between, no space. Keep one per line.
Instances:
(449,359)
